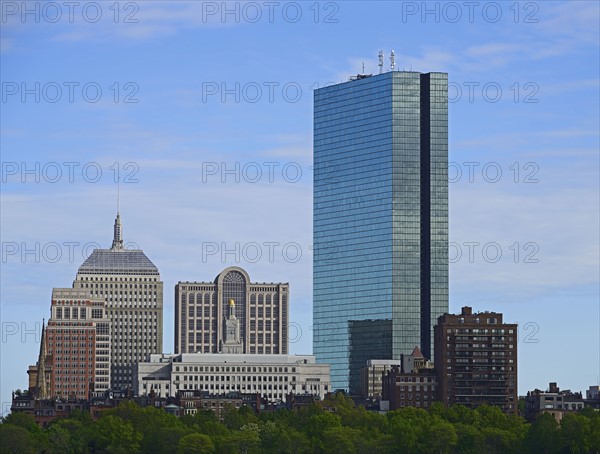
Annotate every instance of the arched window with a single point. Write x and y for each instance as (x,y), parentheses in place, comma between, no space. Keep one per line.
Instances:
(234,287)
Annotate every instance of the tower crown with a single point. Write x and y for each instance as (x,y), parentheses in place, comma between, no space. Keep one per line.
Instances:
(118,234)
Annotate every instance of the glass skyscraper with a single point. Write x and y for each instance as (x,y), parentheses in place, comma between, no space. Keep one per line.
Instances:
(380,218)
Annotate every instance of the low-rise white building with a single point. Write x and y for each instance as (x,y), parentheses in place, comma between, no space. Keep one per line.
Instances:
(272,376)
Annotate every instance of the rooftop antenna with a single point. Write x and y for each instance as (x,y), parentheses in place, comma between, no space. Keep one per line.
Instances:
(392,60)
(380,61)
(363,67)
(118,193)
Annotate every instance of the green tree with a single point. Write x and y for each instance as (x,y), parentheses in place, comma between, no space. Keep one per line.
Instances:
(112,434)
(195,443)
(59,440)
(439,436)
(407,427)
(318,424)
(491,416)
(240,441)
(17,440)
(277,438)
(236,418)
(76,430)
(340,439)
(168,437)
(461,414)
(543,435)
(576,433)
(470,439)
(24,420)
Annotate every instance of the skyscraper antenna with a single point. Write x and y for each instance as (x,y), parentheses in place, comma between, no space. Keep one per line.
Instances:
(380,61)
(363,67)
(118,193)
(392,60)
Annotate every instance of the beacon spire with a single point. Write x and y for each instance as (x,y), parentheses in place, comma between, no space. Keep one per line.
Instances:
(118,234)
(118,229)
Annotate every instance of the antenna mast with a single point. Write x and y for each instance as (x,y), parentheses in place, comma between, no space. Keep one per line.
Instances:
(380,61)
(392,60)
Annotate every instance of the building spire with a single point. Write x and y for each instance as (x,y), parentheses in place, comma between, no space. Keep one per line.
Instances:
(118,234)
(118,229)
(41,388)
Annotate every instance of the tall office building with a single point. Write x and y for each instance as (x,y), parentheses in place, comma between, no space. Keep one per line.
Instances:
(203,311)
(130,284)
(380,219)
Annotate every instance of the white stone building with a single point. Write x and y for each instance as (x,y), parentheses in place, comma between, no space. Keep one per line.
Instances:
(272,376)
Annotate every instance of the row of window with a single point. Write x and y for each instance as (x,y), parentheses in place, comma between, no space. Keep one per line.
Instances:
(240,378)
(254,369)
(120,279)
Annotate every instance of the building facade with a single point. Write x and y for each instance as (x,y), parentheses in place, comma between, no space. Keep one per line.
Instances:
(202,310)
(78,340)
(376,369)
(130,284)
(417,388)
(274,377)
(380,214)
(552,401)
(476,360)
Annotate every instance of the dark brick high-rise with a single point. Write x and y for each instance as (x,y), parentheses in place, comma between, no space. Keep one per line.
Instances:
(476,360)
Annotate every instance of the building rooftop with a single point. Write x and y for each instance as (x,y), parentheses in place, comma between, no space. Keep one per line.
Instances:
(234,358)
(117,259)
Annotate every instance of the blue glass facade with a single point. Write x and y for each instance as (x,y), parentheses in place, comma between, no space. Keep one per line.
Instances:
(380,215)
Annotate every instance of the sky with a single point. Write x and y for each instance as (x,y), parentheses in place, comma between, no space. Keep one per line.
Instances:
(202,111)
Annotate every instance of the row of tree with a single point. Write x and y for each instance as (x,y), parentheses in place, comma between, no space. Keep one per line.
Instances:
(335,425)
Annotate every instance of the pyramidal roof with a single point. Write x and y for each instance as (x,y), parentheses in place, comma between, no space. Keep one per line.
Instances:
(417,353)
(118,259)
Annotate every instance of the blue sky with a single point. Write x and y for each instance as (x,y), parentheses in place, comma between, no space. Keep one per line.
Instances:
(207,114)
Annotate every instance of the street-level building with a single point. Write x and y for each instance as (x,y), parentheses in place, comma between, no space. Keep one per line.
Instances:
(417,388)
(376,369)
(274,377)
(552,401)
